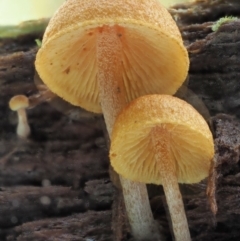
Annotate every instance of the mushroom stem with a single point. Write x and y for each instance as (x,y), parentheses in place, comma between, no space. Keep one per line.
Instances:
(167,169)
(111,88)
(113,100)
(139,212)
(23,129)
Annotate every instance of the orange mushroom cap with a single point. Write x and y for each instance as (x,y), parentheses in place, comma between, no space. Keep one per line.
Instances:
(18,102)
(132,153)
(152,50)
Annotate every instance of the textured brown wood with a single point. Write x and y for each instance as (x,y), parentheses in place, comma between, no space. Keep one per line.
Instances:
(60,172)
(214,56)
(87,226)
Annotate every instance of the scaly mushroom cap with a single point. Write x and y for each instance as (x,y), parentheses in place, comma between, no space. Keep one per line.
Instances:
(18,102)
(191,142)
(152,49)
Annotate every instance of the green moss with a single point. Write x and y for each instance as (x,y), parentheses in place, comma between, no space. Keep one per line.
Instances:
(28,27)
(221,21)
(38,42)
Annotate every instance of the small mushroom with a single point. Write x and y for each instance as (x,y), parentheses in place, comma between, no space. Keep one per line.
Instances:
(19,103)
(161,139)
(100,55)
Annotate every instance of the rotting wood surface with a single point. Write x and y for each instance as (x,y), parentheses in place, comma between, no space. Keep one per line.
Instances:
(58,176)
(56,185)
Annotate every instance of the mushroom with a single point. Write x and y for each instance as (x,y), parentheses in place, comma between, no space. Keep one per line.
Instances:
(161,139)
(100,55)
(19,103)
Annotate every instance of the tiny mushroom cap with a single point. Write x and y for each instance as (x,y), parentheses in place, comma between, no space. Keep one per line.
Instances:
(163,140)
(18,102)
(152,57)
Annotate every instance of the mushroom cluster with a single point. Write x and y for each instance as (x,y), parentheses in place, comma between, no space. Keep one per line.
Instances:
(161,139)
(100,55)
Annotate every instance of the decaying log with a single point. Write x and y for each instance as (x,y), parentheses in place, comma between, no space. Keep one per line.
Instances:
(226,130)
(55,186)
(89,226)
(214,56)
(201,11)
(57,162)
(60,170)
(28,203)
